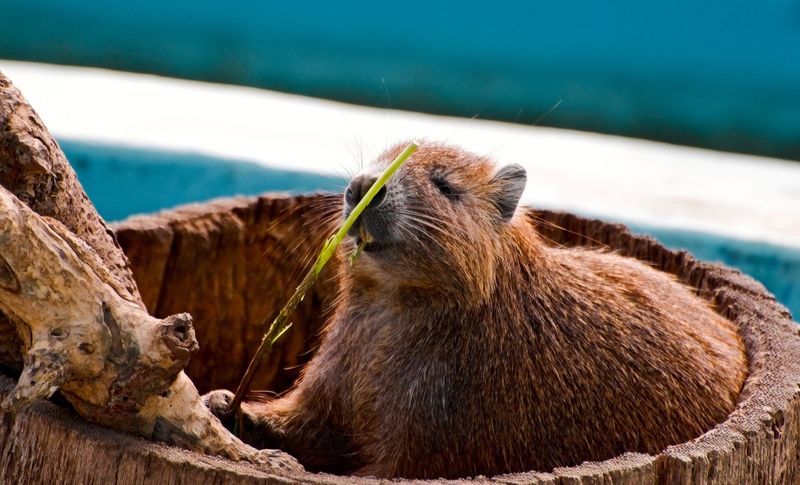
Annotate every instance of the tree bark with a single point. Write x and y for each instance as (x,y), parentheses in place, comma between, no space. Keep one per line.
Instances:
(80,324)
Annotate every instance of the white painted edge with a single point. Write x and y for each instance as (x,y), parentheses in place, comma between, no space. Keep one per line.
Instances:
(746,197)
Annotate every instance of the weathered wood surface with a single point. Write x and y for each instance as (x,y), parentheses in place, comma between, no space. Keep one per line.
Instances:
(48,444)
(72,314)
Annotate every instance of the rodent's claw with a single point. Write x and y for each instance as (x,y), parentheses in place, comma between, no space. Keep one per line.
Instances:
(253,429)
(218,402)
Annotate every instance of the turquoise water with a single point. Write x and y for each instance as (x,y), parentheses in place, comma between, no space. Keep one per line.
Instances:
(125,181)
(723,74)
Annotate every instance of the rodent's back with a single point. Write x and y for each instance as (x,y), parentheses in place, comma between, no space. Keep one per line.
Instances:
(623,358)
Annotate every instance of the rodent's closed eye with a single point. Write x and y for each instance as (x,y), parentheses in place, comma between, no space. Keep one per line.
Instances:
(445,187)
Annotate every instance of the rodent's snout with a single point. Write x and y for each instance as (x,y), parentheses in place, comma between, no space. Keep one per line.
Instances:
(375,223)
(358,188)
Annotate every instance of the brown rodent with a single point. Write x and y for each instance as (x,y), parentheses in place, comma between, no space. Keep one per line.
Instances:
(463,344)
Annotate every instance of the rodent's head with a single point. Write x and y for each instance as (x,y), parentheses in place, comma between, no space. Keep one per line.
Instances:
(439,221)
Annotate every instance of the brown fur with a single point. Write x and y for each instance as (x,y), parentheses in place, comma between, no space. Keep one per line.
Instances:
(476,348)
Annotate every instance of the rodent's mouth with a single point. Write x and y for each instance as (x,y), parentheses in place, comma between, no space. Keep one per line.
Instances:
(373,246)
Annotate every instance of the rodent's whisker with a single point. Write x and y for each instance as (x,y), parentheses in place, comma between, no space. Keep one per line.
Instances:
(537,218)
(407,231)
(415,223)
(434,222)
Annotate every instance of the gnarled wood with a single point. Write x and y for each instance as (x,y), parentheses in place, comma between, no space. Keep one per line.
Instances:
(69,297)
(34,169)
(114,363)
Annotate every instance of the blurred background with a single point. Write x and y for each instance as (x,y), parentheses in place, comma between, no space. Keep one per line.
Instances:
(680,119)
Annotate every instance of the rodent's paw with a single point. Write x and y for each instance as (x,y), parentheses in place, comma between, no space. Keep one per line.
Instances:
(218,402)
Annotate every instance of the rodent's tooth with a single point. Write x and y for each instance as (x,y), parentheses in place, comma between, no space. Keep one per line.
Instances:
(365,236)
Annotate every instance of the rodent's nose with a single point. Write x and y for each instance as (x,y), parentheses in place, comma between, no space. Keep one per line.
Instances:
(358,189)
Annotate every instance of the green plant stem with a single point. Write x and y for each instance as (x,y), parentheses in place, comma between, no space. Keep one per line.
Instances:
(279,325)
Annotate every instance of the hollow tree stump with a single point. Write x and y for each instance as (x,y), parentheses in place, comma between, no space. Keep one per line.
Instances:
(758,443)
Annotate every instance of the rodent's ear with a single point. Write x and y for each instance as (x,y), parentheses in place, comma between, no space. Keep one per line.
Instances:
(508,182)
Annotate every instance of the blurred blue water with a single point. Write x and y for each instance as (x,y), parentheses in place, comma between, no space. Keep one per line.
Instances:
(125,181)
(723,74)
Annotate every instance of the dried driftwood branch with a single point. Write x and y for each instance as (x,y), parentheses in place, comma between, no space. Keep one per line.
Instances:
(66,288)
(33,167)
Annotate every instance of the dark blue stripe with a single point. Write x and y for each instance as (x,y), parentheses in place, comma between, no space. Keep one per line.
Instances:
(716,73)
